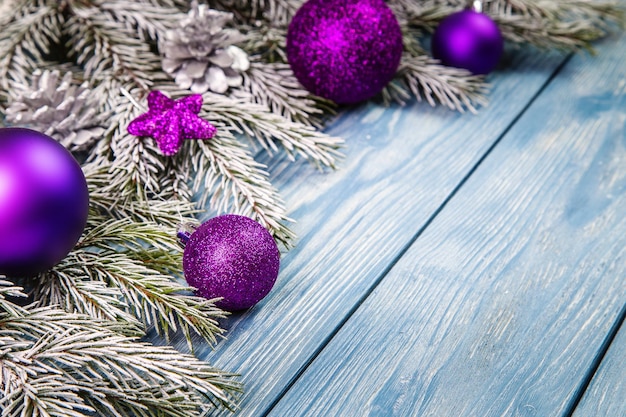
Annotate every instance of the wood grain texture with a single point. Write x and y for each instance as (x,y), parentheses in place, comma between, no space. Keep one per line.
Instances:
(499,308)
(606,395)
(401,164)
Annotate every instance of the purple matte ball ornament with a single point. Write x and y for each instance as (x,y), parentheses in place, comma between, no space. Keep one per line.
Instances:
(468,39)
(232,257)
(344,50)
(44,202)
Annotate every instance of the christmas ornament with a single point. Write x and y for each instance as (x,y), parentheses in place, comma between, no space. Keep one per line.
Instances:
(43,202)
(344,50)
(233,257)
(200,55)
(468,39)
(59,108)
(171,121)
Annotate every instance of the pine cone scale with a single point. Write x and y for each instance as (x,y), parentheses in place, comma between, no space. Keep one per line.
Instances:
(60,108)
(196,69)
(200,54)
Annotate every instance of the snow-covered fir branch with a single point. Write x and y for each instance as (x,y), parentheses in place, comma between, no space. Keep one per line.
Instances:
(81,71)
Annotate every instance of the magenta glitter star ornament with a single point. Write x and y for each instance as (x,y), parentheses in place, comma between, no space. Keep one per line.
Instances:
(170,122)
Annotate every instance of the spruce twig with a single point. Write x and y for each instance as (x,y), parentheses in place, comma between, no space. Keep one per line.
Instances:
(153,296)
(270,129)
(266,41)
(109,49)
(55,363)
(70,287)
(274,86)
(29,30)
(569,25)
(106,204)
(234,181)
(426,78)
(279,12)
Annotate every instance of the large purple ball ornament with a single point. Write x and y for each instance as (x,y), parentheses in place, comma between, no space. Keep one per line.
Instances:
(232,257)
(43,202)
(344,50)
(470,40)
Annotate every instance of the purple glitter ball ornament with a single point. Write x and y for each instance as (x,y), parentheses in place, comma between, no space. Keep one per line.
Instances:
(470,40)
(344,50)
(43,202)
(232,257)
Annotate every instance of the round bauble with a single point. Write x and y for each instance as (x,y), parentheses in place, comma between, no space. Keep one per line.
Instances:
(44,202)
(344,50)
(232,257)
(470,40)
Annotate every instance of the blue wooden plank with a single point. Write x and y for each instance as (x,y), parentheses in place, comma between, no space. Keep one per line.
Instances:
(606,395)
(499,307)
(401,164)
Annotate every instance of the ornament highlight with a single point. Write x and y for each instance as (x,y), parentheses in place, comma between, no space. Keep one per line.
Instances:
(344,50)
(468,39)
(170,122)
(232,257)
(44,202)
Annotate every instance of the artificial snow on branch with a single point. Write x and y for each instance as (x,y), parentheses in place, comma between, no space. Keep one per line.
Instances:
(569,25)
(62,364)
(426,78)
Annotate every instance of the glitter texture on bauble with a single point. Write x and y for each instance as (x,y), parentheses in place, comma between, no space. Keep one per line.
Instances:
(232,257)
(344,50)
(44,201)
(468,39)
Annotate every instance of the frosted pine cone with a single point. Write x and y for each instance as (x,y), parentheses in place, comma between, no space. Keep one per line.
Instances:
(58,108)
(200,55)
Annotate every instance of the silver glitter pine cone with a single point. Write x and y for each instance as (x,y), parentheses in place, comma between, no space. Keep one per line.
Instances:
(59,108)
(200,54)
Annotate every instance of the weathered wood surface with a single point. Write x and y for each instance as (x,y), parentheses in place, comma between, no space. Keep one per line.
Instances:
(606,395)
(502,304)
(401,165)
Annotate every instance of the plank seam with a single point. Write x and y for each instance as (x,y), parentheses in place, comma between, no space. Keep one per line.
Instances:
(595,365)
(411,241)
